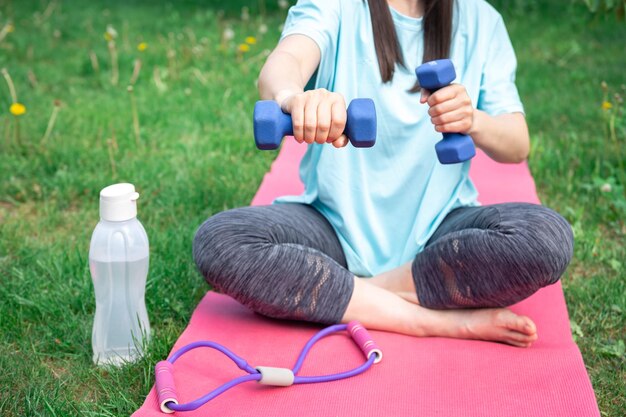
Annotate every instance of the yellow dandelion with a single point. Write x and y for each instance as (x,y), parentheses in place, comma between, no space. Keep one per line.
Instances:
(108,37)
(10,28)
(243,48)
(250,40)
(142,46)
(17,109)
(606,105)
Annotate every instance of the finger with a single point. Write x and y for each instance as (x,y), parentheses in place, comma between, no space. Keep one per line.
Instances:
(297,117)
(452,116)
(339,117)
(443,94)
(294,138)
(323,120)
(456,127)
(424,94)
(310,118)
(443,108)
(449,106)
(341,141)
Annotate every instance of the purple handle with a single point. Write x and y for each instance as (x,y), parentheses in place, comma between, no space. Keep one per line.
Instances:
(165,388)
(364,341)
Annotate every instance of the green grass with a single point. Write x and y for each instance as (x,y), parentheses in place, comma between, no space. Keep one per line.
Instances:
(195,156)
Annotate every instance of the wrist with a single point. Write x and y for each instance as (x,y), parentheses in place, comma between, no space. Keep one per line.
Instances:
(283,95)
(478,123)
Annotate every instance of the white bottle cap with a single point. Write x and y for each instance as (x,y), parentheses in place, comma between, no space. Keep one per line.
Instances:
(118,202)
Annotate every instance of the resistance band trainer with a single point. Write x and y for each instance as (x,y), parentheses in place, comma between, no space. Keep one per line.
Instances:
(266,375)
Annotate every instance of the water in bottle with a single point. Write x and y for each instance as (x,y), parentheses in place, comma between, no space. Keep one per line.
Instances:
(118,261)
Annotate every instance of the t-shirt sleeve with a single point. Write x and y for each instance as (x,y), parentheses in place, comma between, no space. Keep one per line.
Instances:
(498,92)
(320,21)
(317,19)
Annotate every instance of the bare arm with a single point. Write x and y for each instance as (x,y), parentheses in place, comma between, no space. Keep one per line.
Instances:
(318,115)
(504,137)
(288,68)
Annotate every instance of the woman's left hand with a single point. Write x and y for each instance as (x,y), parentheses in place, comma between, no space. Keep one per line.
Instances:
(450,110)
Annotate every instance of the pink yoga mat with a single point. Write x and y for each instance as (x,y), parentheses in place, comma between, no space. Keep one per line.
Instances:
(417,377)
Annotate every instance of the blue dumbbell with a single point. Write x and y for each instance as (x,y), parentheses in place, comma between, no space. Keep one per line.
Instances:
(454,147)
(271,124)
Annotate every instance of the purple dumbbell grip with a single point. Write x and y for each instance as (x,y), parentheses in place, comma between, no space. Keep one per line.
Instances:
(165,388)
(364,341)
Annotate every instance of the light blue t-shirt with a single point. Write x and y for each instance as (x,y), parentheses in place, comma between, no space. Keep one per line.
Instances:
(385,202)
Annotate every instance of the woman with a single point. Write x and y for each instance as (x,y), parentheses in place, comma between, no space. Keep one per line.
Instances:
(439,264)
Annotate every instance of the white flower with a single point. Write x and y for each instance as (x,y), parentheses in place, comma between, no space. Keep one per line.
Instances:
(245,14)
(111,32)
(606,188)
(263,29)
(283,4)
(228,34)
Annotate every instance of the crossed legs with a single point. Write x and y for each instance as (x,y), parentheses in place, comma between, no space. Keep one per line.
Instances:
(285,261)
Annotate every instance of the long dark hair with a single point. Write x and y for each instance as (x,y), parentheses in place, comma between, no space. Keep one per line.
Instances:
(437,26)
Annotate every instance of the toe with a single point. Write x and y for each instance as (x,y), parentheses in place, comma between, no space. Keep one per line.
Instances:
(526,325)
(512,321)
(512,335)
(519,344)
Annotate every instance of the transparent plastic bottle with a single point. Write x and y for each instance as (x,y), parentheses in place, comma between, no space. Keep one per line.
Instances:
(118,261)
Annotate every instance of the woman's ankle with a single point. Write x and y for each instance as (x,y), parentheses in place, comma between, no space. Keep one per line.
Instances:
(399,281)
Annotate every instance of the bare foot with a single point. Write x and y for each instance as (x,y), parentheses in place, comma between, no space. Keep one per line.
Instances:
(493,324)
(381,309)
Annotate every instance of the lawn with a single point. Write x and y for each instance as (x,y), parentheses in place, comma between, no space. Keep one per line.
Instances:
(183,135)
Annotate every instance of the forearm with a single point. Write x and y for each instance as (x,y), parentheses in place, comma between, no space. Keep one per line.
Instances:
(280,74)
(504,138)
(288,68)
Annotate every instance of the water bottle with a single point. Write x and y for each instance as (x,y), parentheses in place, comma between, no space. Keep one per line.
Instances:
(118,261)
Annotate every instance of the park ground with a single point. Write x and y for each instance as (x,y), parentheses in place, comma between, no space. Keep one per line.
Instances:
(182,134)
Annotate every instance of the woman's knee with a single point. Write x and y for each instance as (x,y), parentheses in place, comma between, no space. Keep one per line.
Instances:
(216,243)
(547,242)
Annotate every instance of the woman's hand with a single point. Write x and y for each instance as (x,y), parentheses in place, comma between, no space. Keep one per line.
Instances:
(318,116)
(450,110)
(504,137)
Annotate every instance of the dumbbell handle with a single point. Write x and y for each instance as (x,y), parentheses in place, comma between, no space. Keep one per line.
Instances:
(455,147)
(271,124)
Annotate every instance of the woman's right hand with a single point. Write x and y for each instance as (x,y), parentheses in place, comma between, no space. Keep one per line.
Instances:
(318,116)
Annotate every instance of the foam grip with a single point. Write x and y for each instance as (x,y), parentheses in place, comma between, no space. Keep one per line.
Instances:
(165,388)
(364,341)
(455,147)
(271,124)
(277,377)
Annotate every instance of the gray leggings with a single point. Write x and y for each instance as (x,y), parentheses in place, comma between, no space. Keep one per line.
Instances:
(285,260)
